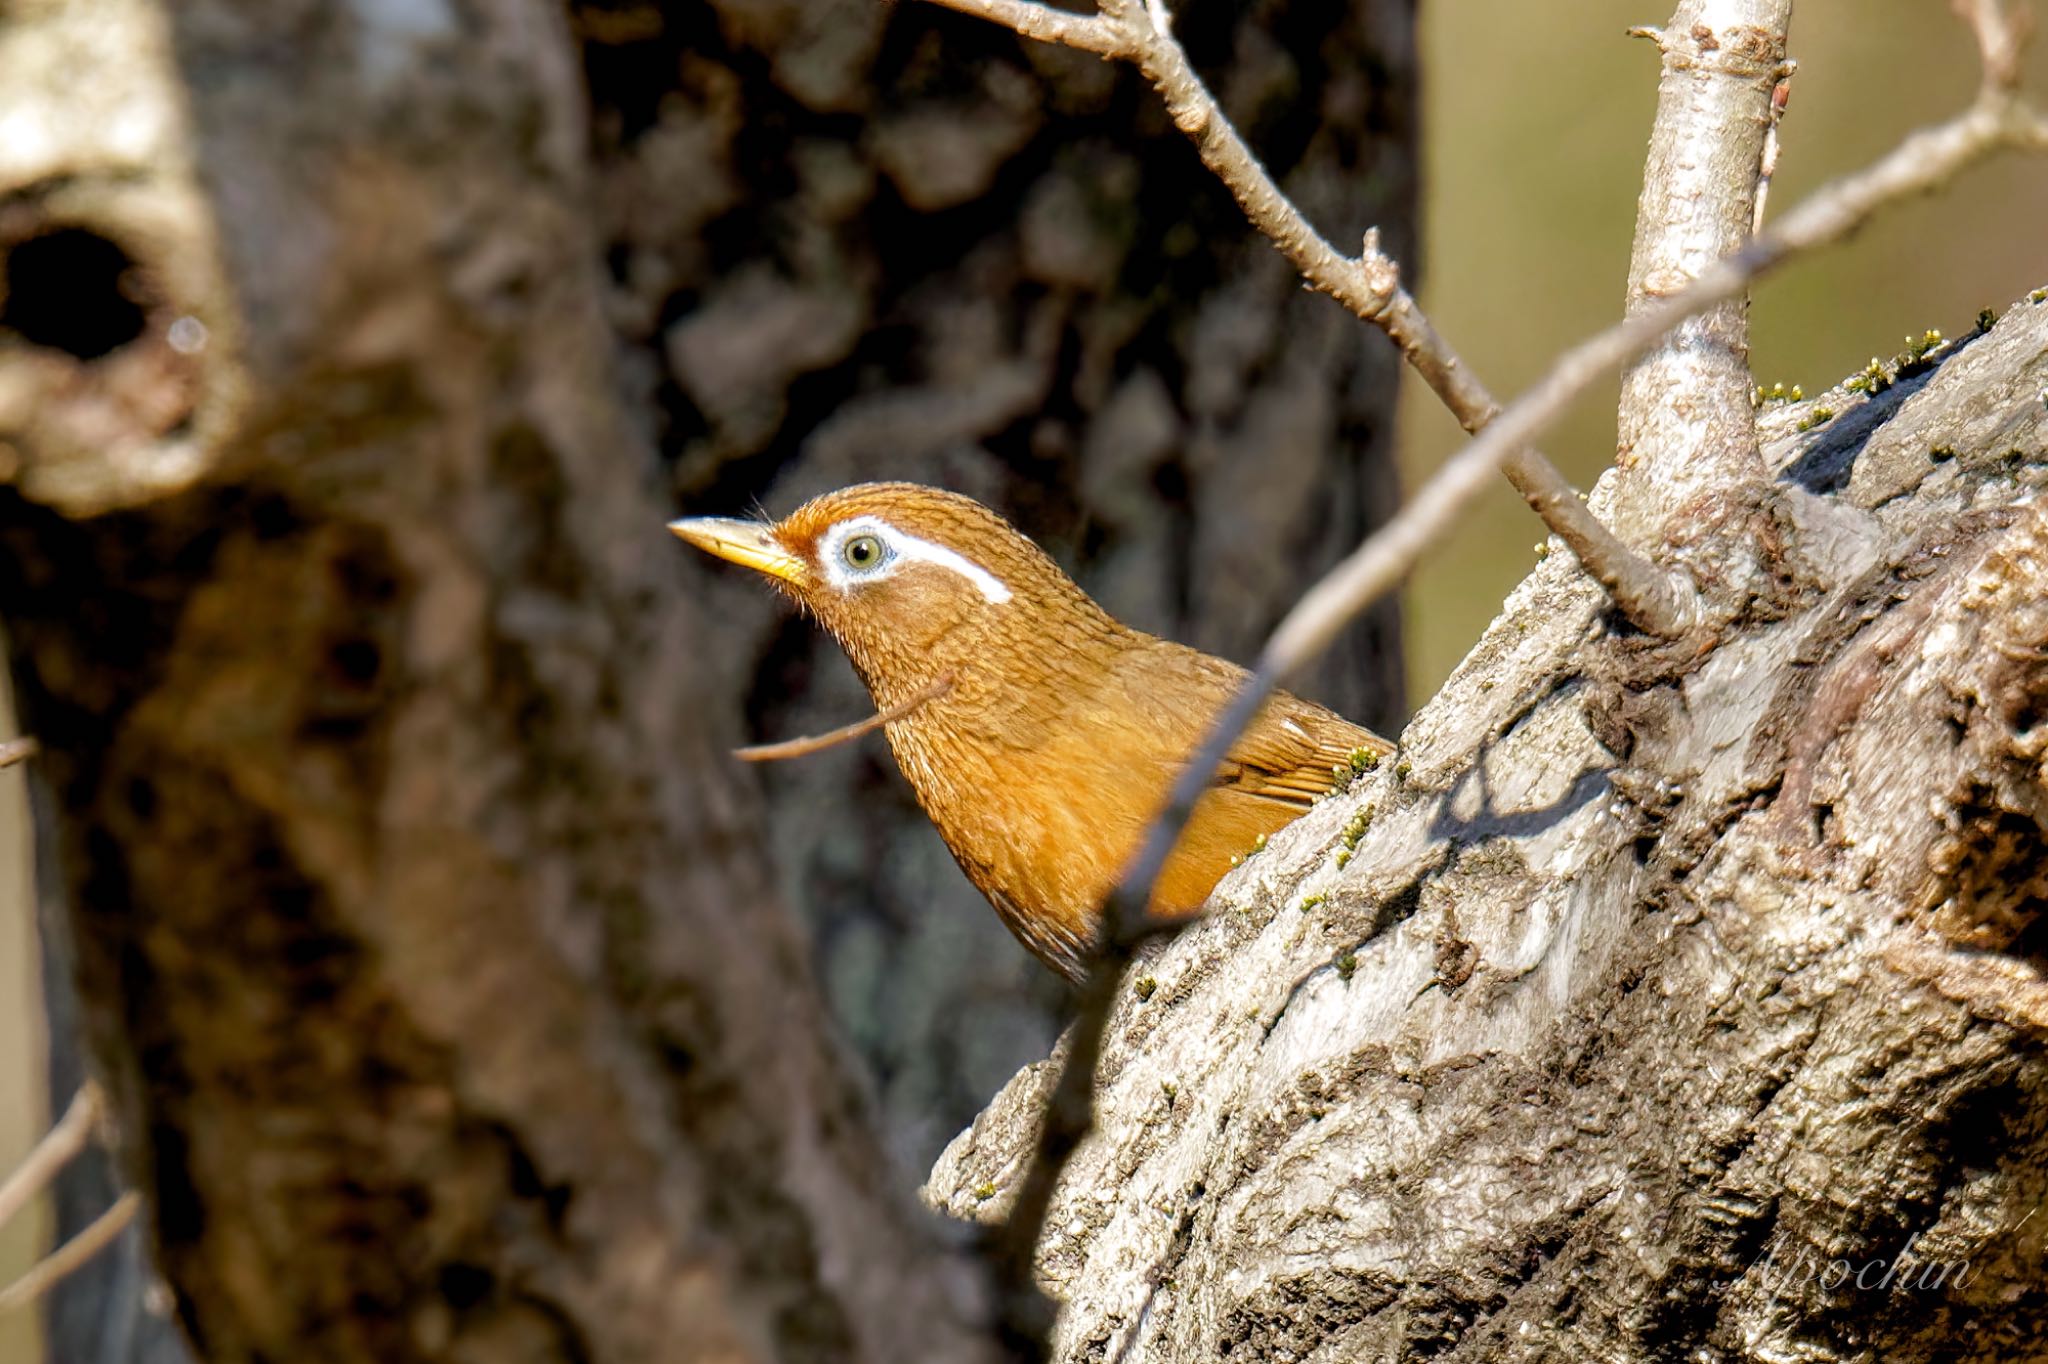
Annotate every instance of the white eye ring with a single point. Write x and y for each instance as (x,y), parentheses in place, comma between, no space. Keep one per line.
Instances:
(840,544)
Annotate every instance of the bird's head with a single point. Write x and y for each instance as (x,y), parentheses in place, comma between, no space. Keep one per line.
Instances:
(911,581)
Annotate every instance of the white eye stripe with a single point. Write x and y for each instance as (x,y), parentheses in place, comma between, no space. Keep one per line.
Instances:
(899,550)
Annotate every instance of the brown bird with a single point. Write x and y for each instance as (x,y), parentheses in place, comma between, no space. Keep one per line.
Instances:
(1049,733)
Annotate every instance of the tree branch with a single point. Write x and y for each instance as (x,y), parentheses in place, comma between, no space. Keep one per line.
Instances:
(59,1146)
(2001,32)
(72,1255)
(1090,33)
(1924,160)
(1655,600)
(818,743)
(1686,424)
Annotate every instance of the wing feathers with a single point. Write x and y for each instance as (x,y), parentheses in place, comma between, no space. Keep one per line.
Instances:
(1296,751)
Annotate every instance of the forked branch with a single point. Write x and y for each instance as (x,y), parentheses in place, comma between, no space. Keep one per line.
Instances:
(1655,600)
(71,1134)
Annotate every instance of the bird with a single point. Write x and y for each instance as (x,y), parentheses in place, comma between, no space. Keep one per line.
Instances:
(1039,734)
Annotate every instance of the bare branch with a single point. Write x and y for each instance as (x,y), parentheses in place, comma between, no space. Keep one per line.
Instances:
(1656,600)
(1687,429)
(818,743)
(59,1146)
(2001,32)
(72,1255)
(1089,33)
(1925,160)
(16,750)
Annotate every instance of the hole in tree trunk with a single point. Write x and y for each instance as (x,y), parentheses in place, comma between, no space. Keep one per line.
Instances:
(72,290)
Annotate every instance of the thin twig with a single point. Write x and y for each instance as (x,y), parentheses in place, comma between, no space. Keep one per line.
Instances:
(72,1255)
(1089,33)
(818,743)
(2001,31)
(17,750)
(1655,600)
(59,1146)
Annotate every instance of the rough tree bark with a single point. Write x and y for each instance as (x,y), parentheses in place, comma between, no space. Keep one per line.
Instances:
(427,943)
(392,831)
(1656,992)
(1669,996)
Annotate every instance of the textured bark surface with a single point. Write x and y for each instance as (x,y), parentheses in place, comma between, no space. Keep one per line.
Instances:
(1656,992)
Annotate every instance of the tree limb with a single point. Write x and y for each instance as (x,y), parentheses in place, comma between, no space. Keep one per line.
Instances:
(1656,600)
(1687,429)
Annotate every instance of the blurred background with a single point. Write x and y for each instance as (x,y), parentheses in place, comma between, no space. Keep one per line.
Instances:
(1534,118)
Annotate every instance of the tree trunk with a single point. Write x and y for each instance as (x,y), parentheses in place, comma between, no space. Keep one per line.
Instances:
(432,947)
(1661,1001)
(426,937)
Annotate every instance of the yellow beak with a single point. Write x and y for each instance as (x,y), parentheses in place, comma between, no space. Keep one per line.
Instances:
(742,542)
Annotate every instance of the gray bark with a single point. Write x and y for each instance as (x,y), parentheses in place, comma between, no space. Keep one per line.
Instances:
(1675,460)
(1654,994)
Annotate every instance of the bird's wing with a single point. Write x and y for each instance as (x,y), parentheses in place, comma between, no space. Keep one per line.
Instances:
(1296,751)
(1292,753)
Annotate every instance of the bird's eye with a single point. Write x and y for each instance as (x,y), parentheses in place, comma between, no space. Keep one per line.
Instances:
(862,551)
